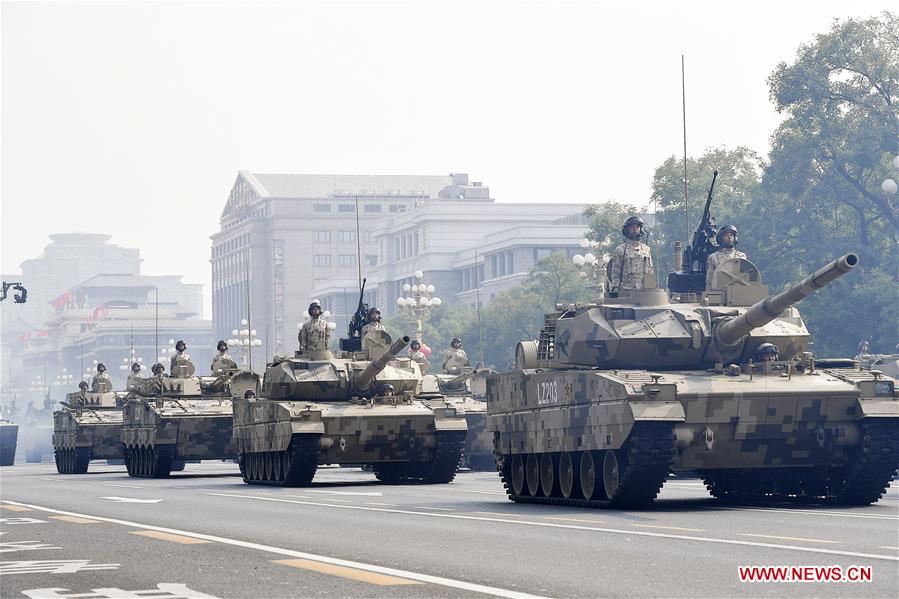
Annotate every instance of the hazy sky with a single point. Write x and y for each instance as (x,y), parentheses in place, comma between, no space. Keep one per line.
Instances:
(134,118)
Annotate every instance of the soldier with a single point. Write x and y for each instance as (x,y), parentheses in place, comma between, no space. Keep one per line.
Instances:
(727,250)
(80,400)
(387,390)
(134,378)
(158,370)
(315,333)
(373,322)
(766,352)
(456,357)
(419,357)
(101,381)
(865,357)
(249,395)
(180,364)
(222,362)
(631,260)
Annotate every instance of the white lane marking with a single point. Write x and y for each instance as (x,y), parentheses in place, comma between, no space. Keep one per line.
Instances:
(123,486)
(131,500)
(163,590)
(427,578)
(382,504)
(811,512)
(13,546)
(430,507)
(746,534)
(60,566)
(23,521)
(300,496)
(362,493)
(619,531)
(52,480)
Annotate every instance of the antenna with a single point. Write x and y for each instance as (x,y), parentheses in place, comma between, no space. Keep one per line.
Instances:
(683,88)
(156,355)
(477,288)
(249,322)
(358,245)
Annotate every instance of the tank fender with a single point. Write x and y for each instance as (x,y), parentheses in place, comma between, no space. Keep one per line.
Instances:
(878,408)
(448,419)
(672,411)
(308,421)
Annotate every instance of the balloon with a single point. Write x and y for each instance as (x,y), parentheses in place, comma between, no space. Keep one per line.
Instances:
(425,350)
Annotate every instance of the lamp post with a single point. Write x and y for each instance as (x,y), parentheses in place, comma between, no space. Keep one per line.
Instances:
(420,302)
(165,355)
(244,339)
(589,265)
(125,366)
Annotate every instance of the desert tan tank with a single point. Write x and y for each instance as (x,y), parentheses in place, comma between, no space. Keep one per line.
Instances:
(9,433)
(87,427)
(359,408)
(616,394)
(464,392)
(171,420)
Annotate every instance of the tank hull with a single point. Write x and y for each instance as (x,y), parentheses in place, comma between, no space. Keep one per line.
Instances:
(775,433)
(400,439)
(478,452)
(85,435)
(159,436)
(9,434)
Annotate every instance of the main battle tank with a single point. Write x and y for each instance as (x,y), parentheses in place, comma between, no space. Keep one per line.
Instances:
(171,420)
(88,427)
(616,394)
(464,392)
(319,409)
(9,433)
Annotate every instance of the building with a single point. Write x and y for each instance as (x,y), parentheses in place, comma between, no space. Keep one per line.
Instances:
(288,239)
(282,233)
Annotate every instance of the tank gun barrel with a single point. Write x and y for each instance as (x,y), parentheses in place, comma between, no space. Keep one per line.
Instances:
(766,310)
(364,379)
(457,381)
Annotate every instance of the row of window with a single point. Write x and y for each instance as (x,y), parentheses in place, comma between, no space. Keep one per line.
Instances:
(343,260)
(342,236)
(406,246)
(365,208)
(230,245)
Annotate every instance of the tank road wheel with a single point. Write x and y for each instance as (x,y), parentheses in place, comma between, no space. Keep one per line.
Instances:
(567,476)
(548,481)
(447,455)
(163,457)
(517,474)
(277,467)
(610,474)
(532,473)
(304,450)
(866,477)
(587,475)
(57,457)
(270,466)
(81,457)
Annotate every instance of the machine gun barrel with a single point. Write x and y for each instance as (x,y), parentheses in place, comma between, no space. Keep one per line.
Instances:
(766,310)
(364,379)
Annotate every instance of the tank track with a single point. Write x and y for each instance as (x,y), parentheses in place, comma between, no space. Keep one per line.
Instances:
(72,461)
(440,470)
(862,481)
(150,462)
(294,467)
(650,450)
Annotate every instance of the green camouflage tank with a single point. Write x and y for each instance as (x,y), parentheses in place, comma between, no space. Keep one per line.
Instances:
(616,394)
(88,427)
(465,393)
(359,408)
(169,421)
(9,433)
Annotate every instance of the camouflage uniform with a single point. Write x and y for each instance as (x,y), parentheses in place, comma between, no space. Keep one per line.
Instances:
(421,359)
(372,326)
(636,260)
(458,354)
(180,359)
(100,382)
(222,363)
(716,258)
(314,335)
(133,381)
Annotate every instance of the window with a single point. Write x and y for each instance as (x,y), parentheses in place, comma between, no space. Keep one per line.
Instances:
(366,236)
(321,207)
(415,243)
(346,208)
(493,265)
(372,207)
(346,236)
(321,236)
(371,260)
(321,260)
(502,264)
(347,260)
(396,249)
(511,263)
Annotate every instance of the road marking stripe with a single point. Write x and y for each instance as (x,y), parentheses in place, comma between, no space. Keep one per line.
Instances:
(123,486)
(501,514)
(332,499)
(75,519)
(166,536)
(888,547)
(300,496)
(15,508)
(426,578)
(382,504)
(671,527)
(364,493)
(52,480)
(746,534)
(630,532)
(810,512)
(430,507)
(344,572)
(574,520)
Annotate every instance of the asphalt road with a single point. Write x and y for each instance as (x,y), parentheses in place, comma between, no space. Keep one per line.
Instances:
(208,534)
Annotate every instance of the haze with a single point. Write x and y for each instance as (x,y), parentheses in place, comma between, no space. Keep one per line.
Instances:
(133,118)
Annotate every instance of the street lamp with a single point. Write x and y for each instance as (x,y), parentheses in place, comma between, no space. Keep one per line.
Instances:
(420,302)
(243,339)
(588,265)
(131,359)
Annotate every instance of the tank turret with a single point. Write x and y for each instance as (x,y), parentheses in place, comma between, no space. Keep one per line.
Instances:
(301,378)
(647,329)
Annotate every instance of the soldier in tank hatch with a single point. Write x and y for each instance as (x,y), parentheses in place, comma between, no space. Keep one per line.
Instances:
(865,357)
(373,321)
(766,352)
(418,356)
(727,250)
(456,357)
(631,260)
(181,364)
(134,378)
(222,362)
(315,333)
(101,382)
